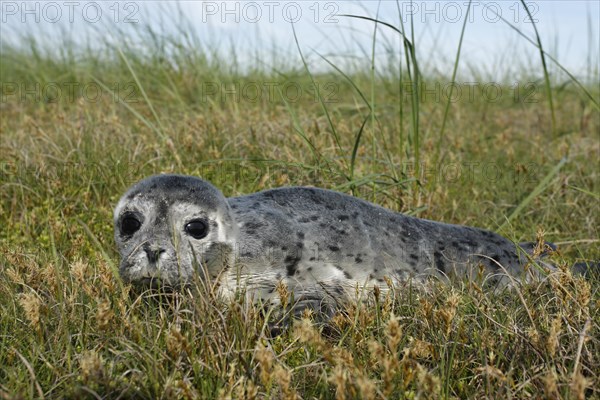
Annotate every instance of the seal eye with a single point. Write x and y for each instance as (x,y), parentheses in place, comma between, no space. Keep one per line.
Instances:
(130,225)
(197,229)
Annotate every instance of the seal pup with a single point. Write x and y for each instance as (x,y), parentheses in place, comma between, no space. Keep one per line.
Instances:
(321,244)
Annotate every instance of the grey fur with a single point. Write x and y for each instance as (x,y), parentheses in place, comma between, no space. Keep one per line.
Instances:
(321,244)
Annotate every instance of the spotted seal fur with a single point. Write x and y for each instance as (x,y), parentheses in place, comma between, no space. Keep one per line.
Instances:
(322,244)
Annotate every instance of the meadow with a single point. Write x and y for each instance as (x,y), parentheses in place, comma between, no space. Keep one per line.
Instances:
(79,126)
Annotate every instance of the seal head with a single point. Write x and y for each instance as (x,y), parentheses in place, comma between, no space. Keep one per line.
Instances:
(170,227)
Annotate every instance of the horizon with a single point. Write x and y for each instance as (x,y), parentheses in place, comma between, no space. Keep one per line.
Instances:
(252,33)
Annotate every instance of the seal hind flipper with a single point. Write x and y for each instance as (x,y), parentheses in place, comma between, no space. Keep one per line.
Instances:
(529,248)
(588,269)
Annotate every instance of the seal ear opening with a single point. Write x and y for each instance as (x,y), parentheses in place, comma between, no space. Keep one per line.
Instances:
(530,248)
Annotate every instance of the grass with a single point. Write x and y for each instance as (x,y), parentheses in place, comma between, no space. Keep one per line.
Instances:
(70,329)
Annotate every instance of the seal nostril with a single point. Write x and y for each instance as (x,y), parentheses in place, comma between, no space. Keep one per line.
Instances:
(153,254)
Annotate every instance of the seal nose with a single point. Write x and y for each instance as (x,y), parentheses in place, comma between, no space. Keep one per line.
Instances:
(153,253)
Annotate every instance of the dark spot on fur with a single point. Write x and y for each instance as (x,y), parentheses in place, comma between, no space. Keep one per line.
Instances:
(349,255)
(439,261)
(497,260)
(338,268)
(254,225)
(323,225)
(371,276)
(162,211)
(234,206)
(358,259)
(291,264)
(314,218)
(355,214)
(303,220)
(469,242)
(284,248)
(300,235)
(334,248)
(347,275)
(299,245)
(250,231)
(311,259)
(309,268)
(343,217)
(414,256)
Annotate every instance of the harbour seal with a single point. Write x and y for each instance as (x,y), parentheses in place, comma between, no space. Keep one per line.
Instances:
(321,244)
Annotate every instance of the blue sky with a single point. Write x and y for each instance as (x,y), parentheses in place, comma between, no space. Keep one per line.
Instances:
(242,30)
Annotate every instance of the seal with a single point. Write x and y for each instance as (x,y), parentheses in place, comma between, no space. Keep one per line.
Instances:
(323,245)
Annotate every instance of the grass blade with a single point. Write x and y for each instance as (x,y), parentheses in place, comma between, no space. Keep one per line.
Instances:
(448,101)
(160,130)
(535,192)
(554,60)
(544,67)
(355,148)
(321,102)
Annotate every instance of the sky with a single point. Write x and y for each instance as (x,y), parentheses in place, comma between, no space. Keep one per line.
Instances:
(250,32)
